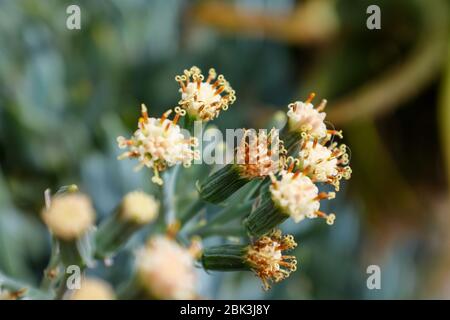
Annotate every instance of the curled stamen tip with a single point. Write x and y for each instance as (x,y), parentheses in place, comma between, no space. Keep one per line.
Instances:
(330,219)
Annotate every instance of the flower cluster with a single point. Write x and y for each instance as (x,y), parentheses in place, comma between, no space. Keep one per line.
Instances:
(298,196)
(314,158)
(265,257)
(324,163)
(260,154)
(203,100)
(275,175)
(166,269)
(303,117)
(158,143)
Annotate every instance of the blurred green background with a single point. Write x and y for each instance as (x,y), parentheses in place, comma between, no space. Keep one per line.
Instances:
(65,95)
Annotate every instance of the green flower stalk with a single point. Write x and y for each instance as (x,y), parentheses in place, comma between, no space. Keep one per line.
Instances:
(69,217)
(257,156)
(222,184)
(294,195)
(264,257)
(136,210)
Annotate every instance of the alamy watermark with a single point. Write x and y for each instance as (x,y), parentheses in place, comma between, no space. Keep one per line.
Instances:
(373,281)
(373,22)
(73,21)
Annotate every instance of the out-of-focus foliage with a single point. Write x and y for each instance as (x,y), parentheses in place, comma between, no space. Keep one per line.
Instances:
(66,94)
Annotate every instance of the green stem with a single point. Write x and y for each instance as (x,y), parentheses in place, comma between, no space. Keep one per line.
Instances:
(51,271)
(191,212)
(229,213)
(169,195)
(131,290)
(222,184)
(62,287)
(221,232)
(70,254)
(113,234)
(28,291)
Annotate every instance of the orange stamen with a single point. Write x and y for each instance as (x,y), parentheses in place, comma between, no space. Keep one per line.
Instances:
(321,214)
(215,84)
(291,167)
(176,118)
(310,97)
(321,196)
(164,116)
(219,90)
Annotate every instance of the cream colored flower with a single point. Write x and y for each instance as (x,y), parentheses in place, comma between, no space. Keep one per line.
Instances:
(159,143)
(325,164)
(139,207)
(260,154)
(166,270)
(304,118)
(267,260)
(203,100)
(6,295)
(93,289)
(69,216)
(296,195)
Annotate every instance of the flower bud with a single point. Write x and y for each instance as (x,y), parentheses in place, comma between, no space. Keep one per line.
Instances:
(136,210)
(304,121)
(69,216)
(264,257)
(93,289)
(165,270)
